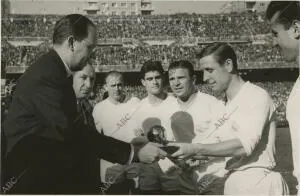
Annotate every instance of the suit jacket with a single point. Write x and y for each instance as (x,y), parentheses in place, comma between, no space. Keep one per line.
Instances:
(85,109)
(45,143)
(89,167)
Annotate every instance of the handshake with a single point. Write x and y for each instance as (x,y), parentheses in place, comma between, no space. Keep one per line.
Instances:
(155,146)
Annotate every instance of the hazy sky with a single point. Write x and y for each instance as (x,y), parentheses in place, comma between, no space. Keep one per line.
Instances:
(68,6)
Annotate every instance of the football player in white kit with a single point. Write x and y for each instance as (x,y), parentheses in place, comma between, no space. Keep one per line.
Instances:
(246,130)
(195,113)
(156,109)
(284,17)
(113,117)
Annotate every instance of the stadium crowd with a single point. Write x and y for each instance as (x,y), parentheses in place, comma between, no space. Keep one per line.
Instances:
(133,57)
(193,27)
(248,54)
(223,26)
(22,55)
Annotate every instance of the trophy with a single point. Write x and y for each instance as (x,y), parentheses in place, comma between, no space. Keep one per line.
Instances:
(156,134)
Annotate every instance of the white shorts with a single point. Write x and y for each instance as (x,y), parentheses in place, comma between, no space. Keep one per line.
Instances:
(255,181)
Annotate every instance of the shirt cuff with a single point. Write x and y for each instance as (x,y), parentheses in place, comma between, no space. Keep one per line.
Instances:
(131,154)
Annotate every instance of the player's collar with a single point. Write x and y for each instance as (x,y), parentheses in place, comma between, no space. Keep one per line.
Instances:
(239,93)
(126,99)
(155,101)
(185,105)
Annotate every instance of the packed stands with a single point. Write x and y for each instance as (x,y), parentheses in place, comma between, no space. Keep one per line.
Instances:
(127,58)
(224,26)
(187,33)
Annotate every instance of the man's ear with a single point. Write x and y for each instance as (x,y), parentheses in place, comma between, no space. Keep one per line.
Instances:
(194,79)
(105,87)
(228,65)
(71,41)
(296,29)
(143,82)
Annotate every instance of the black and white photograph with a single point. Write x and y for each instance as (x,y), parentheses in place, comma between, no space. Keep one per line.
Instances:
(150,97)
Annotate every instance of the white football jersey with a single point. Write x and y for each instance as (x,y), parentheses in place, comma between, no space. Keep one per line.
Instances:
(115,120)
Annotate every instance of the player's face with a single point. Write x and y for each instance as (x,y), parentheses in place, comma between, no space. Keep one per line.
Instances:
(153,82)
(181,83)
(215,75)
(115,87)
(285,39)
(82,50)
(83,82)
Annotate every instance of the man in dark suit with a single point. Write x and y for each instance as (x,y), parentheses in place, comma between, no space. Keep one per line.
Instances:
(83,83)
(45,143)
(88,170)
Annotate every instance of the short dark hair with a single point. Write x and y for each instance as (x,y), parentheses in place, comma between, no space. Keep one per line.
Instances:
(184,64)
(151,65)
(113,73)
(221,51)
(288,12)
(73,24)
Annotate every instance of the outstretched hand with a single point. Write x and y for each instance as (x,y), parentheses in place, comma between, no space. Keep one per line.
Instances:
(151,152)
(186,150)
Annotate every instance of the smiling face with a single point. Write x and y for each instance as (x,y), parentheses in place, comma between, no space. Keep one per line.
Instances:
(285,39)
(181,83)
(214,74)
(83,81)
(153,82)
